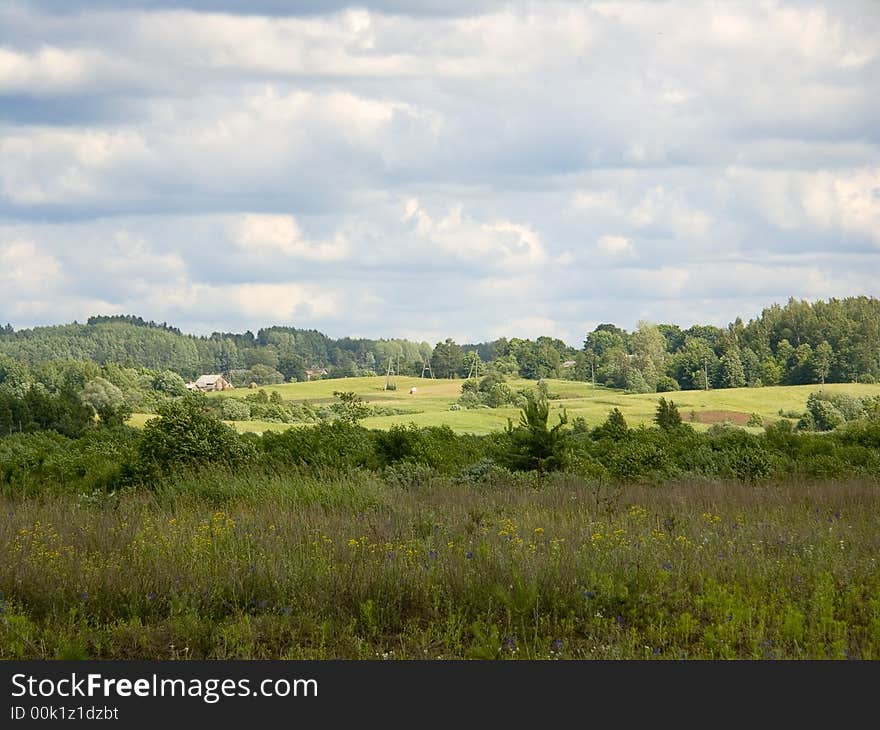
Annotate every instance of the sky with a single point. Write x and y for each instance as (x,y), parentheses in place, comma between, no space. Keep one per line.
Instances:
(446,168)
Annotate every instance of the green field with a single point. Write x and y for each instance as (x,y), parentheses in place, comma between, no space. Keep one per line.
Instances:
(429,405)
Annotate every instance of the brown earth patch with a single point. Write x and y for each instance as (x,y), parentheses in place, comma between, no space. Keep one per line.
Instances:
(740,419)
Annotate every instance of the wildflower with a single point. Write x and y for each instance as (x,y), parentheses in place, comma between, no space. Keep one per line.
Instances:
(151,596)
(432,554)
(657,651)
(469,555)
(556,646)
(263,603)
(589,594)
(539,530)
(667,566)
(510,643)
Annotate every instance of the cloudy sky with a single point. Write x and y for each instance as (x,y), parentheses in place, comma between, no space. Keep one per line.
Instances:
(463,168)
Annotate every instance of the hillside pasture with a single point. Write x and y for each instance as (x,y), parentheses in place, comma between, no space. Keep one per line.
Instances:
(430,404)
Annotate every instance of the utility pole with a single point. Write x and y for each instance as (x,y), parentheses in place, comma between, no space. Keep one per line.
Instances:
(474,371)
(388,372)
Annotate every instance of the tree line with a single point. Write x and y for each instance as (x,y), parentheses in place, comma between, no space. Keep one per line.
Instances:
(837,340)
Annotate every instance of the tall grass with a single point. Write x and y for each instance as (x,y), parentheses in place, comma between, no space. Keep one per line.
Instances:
(297,566)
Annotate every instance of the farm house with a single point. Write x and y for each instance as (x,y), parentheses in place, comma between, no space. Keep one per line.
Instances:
(209,383)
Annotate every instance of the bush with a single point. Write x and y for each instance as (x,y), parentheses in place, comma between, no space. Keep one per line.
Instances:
(169,383)
(667,416)
(334,445)
(665,384)
(350,407)
(471,399)
(188,436)
(408,475)
(832,410)
(614,427)
(755,419)
(532,445)
(233,409)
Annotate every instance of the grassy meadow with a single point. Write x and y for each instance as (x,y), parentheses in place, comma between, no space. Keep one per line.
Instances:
(429,406)
(343,542)
(228,566)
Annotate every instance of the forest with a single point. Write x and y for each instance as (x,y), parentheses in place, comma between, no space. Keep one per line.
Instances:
(833,341)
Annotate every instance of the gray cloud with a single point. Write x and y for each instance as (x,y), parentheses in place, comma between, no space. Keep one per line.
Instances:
(432,169)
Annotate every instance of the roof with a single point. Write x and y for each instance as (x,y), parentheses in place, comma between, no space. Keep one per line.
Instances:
(206,380)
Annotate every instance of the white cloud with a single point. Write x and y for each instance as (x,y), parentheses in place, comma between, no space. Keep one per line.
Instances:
(670,211)
(24,269)
(503,244)
(266,234)
(830,202)
(615,245)
(529,161)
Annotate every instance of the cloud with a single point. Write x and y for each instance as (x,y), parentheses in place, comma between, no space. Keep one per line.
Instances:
(265,234)
(615,245)
(498,244)
(459,167)
(835,202)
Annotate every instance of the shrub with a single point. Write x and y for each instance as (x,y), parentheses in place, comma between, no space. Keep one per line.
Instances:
(755,419)
(334,445)
(532,445)
(614,427)
(667,416)
(826,414)
(187,435)
(408,475)
(666,384)
(350,407)
(233,409)
(169,383)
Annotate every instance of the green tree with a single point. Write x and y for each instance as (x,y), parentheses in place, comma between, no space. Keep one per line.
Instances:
(107,401)
(14,377)
(732,372)
(649,351)
(187,435)
(614,426)
(169,383)
(667,416)
(532,445)
(264,375)
(350,407)
(447,360)
(234,409)
(823,356)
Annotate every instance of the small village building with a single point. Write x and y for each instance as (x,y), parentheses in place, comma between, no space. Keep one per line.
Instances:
(315,373)
(210,383)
